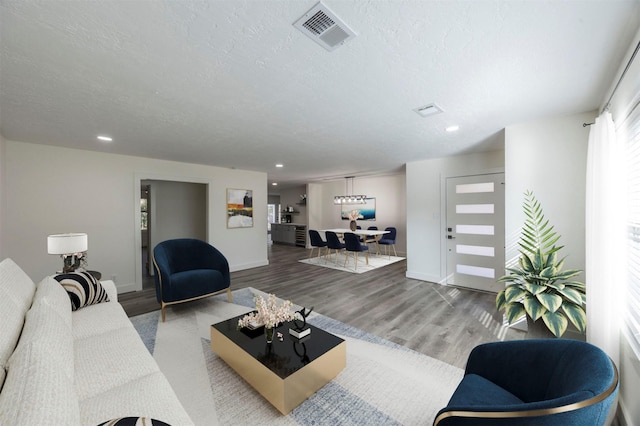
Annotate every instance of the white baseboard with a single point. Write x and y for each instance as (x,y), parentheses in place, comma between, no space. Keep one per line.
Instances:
(126,288)
(243,266)
(422,277)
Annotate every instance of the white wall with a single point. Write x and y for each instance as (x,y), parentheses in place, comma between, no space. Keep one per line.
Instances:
(549,157)
(426,258)
(51,190)
(3,181)
(179,211)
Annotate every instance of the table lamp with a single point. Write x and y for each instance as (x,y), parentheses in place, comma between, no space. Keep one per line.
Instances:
(70,247)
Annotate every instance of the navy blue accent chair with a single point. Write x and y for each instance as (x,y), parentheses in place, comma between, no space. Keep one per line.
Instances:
(333,243)
(542,382)
(354,245)
(389,240)
(316,241)
(188,269)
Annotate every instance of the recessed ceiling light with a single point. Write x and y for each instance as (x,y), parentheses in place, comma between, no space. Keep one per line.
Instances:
(279,165)
(275,184)
(105,138)
(452,128)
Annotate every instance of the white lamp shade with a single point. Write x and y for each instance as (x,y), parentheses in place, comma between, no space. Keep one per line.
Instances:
(67,243)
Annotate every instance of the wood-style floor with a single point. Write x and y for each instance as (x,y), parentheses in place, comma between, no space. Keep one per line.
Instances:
(442,322)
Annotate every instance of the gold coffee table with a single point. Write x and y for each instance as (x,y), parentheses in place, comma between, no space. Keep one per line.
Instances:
(284,373)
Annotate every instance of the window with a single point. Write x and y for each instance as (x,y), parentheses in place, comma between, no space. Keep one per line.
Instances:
(629,131)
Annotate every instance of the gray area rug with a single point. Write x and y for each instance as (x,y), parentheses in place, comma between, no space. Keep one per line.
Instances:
(383,383)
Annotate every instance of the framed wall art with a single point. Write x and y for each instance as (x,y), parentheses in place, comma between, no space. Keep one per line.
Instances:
(365,211)
(239,208)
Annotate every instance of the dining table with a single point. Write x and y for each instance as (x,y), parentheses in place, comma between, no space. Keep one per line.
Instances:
(376,234)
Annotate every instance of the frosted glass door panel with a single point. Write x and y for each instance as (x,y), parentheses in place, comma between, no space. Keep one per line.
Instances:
(476,229)
(475,209)
(476,250)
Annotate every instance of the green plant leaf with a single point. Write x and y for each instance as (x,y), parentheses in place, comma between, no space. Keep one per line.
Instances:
(555,285)
(572,295)
(550,301)
(576,315)
(538,263)
(500,300)
(556,322)
(514,293)
(526,263)
(549,272)
(514,311)
(533,307)
(534,288)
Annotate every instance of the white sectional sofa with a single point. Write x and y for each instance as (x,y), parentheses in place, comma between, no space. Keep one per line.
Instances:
(83,367)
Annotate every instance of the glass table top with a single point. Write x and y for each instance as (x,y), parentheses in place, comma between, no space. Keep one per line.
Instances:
(283,358)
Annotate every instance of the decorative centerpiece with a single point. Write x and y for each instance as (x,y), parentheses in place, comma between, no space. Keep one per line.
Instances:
(353,216)
(300,328)
(268,315)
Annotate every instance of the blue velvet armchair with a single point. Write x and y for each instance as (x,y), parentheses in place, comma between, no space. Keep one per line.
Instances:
(188,269)
(534,382)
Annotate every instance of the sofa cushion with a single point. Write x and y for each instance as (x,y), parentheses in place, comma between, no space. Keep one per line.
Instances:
(51,293)
(45,325)
(83,289)
(475,391)
(98,319)
(16,293)
(134,421)
(108,360)
(151,396)
(36,390)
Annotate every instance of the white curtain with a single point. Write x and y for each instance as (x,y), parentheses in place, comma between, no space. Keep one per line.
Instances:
(604,236)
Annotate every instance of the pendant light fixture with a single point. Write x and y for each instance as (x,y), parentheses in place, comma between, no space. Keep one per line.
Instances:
(350,198)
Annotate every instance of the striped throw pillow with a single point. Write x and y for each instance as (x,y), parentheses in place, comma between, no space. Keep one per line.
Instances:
(134,421)
(83,289)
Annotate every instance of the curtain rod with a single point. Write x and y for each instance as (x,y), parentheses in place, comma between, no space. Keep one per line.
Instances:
(635,52)
(606,106)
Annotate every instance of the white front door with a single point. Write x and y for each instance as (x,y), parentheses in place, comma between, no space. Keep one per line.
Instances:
(475,231)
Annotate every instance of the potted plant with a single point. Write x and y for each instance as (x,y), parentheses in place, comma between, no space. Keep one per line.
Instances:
(538,286)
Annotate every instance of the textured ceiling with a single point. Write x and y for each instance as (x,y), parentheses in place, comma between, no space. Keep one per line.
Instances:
(234,84)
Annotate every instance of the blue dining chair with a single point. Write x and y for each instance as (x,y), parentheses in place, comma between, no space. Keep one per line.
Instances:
(333,243)
(352,244)
(389,240)
(316,241)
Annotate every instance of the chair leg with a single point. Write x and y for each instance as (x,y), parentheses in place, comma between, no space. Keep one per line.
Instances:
(367,256)
(162,307)
(229,297)
(394,251)
(311,253)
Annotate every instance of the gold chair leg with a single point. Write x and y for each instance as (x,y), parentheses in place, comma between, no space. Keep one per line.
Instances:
(311,253)
(162,310)
(229,296)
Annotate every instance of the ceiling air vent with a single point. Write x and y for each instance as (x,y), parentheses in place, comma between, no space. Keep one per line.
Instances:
(322,26)
(428,110)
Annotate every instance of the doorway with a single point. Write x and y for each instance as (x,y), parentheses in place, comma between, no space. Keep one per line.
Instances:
(475,231)
(168,210)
